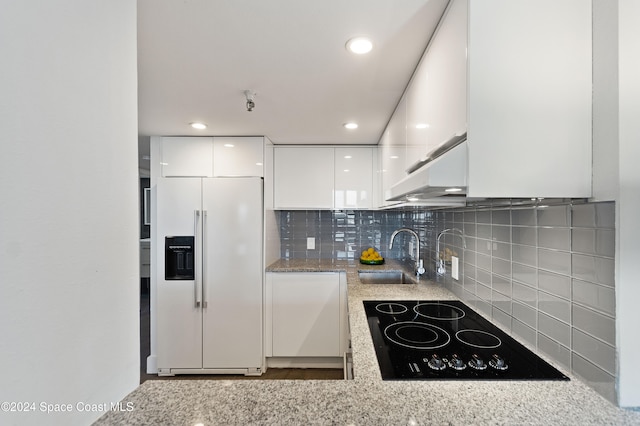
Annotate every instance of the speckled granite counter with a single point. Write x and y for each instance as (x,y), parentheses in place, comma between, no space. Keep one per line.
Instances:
(367,400)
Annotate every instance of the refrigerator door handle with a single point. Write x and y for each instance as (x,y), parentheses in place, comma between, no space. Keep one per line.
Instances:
(198,276)
(204,258)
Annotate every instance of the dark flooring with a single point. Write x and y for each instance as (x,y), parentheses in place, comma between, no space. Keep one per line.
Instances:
(271,374)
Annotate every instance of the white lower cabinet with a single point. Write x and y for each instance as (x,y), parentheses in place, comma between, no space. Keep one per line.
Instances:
(306,314)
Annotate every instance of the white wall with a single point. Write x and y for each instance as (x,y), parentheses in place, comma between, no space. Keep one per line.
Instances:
(69,281)
(628,236)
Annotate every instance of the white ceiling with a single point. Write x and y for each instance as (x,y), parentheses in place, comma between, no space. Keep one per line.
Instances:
(196,58)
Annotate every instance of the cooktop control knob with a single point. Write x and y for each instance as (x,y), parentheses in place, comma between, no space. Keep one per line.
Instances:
(436,363)
(456,363)
(477,363)
(498,362)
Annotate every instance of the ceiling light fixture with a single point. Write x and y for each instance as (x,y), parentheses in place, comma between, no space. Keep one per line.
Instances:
(453,190)
(350,126)
(359,45)
(422,126)
(199,126)
(228,145)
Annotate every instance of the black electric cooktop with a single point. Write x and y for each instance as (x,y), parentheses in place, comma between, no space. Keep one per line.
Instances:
(425,340)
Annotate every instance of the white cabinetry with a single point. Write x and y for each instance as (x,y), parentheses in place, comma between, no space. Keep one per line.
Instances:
(238,156)
(437,94)
(187,157)
(530,98)
(522,90)
(306,313)
(323,178)
(212,156)
(303,178)
(353,178)
(392,152)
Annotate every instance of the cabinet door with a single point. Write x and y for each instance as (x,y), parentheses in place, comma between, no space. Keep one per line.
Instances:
(238,156)
(530,97)
(392,152)
(306,314)
(303,178)
(353,178)
(437,95)
(187,156)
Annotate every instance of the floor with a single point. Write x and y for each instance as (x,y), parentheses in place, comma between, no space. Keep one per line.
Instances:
(271,374)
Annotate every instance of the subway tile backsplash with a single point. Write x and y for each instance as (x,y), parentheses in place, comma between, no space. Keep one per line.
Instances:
(562,280)
(544,274)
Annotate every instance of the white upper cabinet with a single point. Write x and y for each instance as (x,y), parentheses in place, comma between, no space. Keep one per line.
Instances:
(311,177)
(212,156)
(392,153)
(437,94)
(530,93)
(187,156)
(238,156)
(303,178)
(516,75)
(353,178)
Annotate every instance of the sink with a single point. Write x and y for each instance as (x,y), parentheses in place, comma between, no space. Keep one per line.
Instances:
(385,277)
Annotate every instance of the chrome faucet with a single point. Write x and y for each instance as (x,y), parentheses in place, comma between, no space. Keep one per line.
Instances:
(440,269)
(419,264)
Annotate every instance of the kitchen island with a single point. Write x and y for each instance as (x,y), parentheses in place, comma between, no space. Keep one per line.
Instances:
(367,400)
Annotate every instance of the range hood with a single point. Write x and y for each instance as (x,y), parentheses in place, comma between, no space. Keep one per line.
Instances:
(443,177)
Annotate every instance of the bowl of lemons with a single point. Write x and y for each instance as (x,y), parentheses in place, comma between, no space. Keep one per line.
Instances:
(371,256)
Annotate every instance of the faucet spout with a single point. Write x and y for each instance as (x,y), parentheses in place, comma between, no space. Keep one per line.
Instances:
(419,264)
(440,269)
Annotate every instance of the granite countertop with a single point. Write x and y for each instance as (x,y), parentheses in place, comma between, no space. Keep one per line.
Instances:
(368,400)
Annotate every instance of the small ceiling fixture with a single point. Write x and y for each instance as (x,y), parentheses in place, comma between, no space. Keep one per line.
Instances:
(350,126)
(250,95)
(199,126)
(359,45)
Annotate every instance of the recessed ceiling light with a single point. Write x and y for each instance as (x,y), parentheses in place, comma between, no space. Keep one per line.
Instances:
(350,125)
(228,145)
(347,157)
(359,45)
(422,126)
(199,126)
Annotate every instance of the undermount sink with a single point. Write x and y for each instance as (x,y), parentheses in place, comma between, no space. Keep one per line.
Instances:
(385,277)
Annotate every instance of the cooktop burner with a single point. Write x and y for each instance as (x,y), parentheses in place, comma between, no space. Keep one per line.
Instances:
(421,340)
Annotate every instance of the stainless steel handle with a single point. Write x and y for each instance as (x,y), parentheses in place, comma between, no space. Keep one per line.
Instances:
(203,281)
(445,146)
(197,259)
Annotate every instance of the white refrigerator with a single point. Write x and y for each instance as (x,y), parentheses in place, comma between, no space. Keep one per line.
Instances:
(209,287)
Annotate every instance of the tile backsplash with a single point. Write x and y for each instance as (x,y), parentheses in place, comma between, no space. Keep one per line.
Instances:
(545,274)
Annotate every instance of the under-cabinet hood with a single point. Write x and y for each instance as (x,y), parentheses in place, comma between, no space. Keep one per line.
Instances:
(444,177)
